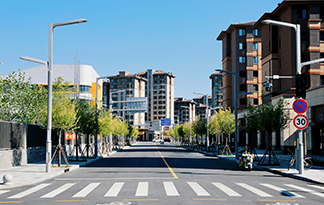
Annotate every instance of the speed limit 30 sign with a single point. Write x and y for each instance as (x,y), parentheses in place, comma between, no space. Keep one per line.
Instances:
(301,122)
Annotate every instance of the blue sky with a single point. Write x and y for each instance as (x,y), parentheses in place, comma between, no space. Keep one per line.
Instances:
(175,36)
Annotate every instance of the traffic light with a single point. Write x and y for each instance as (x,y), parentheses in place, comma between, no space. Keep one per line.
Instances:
(301,83)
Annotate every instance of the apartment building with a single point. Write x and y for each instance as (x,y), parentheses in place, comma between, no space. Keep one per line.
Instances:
(241,53)
(184,109)
(217,89)
(160,93)
(123,86)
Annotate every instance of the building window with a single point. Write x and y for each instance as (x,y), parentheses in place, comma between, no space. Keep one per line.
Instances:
(255,101)
(255,87)
(255,59)
(242,32)
(242,87)
(243,73)
(301,13)
(243,101)
(322,35)
(242,46)
(112,80)
(255,74)
(255,46)
(242,59)
(255,32)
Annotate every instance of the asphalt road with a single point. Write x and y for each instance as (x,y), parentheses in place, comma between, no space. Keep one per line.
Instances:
(148,173)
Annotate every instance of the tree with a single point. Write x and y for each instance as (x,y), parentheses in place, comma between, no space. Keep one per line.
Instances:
(200,127)
(64,114)
(133,132)
(21,101)
(226,124)
(105,127)
(269,118)
(87,123)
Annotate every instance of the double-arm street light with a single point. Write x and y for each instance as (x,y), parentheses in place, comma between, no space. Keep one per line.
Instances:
(235,107)
(299,65)
(50,72)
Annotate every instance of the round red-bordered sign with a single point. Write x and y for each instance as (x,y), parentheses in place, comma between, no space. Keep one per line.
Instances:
(300,106)
(301,122)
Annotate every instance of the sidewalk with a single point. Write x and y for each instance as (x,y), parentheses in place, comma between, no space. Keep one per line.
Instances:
(33,173)
(315,174)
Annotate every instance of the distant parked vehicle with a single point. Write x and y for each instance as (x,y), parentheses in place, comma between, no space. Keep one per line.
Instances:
(161,141)
(167,140)
(156,140)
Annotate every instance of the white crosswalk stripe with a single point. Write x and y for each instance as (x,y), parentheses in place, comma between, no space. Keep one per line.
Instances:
(305,190)
(318,187)
(86,190)
(115,189)
(58,190)
(285,191)
(142,189)
(3,191)
(227,190)
(198,189)
(29,191)
(254,190)
(170,189)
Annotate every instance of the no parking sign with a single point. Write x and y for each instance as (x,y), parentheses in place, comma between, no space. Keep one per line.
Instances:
(300,121)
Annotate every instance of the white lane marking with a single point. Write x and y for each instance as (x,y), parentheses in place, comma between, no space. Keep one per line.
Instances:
(29,191)
(170,189)
(227,190)
(306,190)
(198,189)
(254,190)
(142,189)
(115,189)
(316,186)
(4,191)
(86,190)
(279,189)
(58,190)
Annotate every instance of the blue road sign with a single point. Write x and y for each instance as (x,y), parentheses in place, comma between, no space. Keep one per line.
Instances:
(300,106)
(165,121)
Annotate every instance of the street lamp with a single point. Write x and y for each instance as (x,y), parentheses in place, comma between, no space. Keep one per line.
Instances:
(96,139)
(235,107)
(187,107)
(50,71)
(296,27)
(207,114)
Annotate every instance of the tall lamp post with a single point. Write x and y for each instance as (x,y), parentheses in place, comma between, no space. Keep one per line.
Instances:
(50,72)
(187,107)
(235,104)
(96,139)
(299,66)
(207,118)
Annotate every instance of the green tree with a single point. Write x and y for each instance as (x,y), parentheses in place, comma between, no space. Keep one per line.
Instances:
(87,123)
(20,100)
(200,127)
(64,114)
(133,132)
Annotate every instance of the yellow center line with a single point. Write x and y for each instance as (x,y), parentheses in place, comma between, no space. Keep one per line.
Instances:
(208,199)
(10,202)
(277,200)
(141,199)
(170,169)
(71,200)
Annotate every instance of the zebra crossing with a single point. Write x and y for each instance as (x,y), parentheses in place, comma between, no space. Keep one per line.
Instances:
(171,190)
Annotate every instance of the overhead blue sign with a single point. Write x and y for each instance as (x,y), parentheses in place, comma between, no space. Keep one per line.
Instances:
(165,121)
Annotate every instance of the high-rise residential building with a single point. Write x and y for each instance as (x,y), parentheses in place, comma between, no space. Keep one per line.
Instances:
(160,94)
(217,89)
(200,110)
(184,109)
(241,50)
(279,44)
(202,100)
(122,86)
